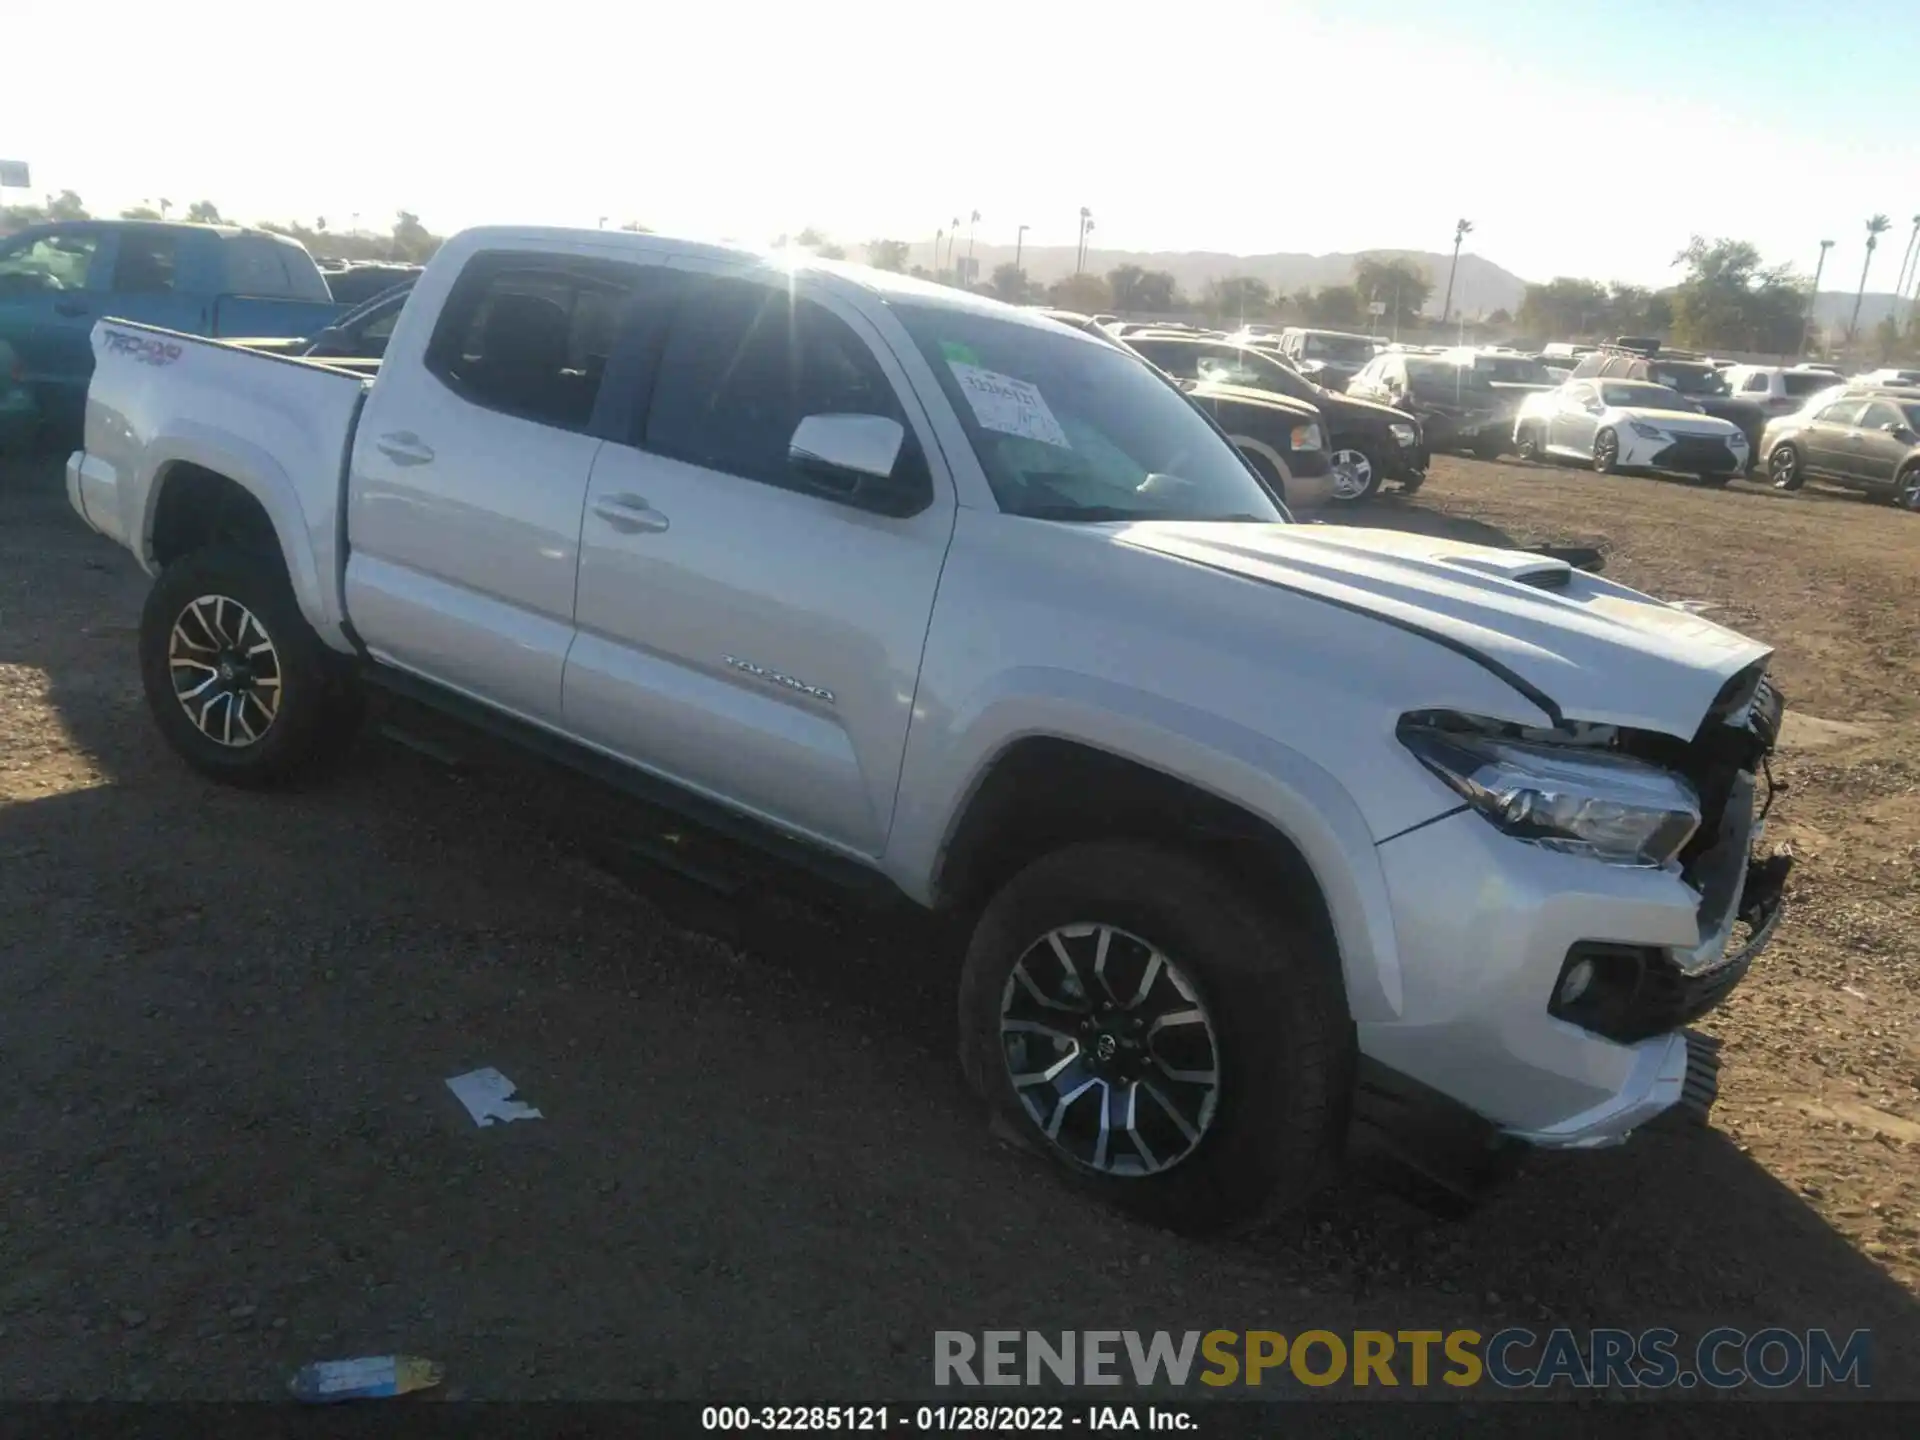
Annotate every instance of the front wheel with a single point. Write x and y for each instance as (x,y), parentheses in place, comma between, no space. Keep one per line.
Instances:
(1606,452)
(1355,477)
(1171,1046)
(240,686)
(1530,444)
(1906,490)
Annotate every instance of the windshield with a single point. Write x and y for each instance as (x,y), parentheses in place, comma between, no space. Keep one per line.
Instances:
(1350,348)
(1688,379)
(1645,397)
(1512,370)
(1255,371)
(1443,377)
(1069,430)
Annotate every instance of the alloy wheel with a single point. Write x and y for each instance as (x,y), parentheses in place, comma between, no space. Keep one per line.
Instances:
(1352,474)
(1110,1050)
(1783,466)
(1909,493)
(1606,451)
(225,671)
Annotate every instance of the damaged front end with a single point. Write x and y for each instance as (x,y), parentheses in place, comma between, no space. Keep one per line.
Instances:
(1631,992)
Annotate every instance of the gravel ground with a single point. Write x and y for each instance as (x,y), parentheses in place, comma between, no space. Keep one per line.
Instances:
(226,1021)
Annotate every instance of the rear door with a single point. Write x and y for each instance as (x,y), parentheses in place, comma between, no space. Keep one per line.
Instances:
(739,632)
(1825,439)
(469,472)
(151,278)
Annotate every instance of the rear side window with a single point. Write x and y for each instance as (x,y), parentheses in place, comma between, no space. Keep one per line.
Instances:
(254,267)
(144,264)
(1757,383)
(530,335)
(744,364)
(1800,386)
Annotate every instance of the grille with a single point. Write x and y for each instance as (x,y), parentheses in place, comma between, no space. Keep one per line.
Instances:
(1696,453)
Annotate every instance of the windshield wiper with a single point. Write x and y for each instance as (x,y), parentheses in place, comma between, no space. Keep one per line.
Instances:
(1104,514)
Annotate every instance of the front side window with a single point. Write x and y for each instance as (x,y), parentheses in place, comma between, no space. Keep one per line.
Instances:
(530,335)
(745,364)
(1845,413)
(1880,414)
(144,265)
(49,262)
(1070,431)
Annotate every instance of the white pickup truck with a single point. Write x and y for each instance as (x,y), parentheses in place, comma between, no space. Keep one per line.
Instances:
(1266,830)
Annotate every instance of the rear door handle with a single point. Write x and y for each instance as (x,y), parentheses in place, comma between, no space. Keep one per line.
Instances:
(629,513)
(403,447)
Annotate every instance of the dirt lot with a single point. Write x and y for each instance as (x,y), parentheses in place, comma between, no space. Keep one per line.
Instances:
(225,1021)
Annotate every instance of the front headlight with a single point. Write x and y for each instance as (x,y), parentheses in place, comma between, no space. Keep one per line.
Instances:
(1405,434)
(1572,799)
(1736,441)
(1646,431)
(1306,437)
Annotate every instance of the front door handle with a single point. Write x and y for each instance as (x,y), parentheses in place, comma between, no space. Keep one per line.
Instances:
(403,447)
(70,308)
(629,513)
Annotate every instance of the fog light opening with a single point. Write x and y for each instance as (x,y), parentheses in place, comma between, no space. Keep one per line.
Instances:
(1578,978)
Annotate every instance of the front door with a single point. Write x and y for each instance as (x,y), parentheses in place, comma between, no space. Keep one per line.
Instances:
(1825,440)
(1574,419)
(51,292)
(740,633)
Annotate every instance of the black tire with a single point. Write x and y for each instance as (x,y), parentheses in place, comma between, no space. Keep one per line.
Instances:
(1785,468)
(1906,489)
(1606,452)
(1283,1050)
(1714,479)
(1411,483)
(318,709)
(1527,443)
(1365,472)
(1489,446)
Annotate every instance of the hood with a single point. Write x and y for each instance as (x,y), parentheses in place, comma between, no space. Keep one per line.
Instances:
(1241,395)
(1576,645)
(1680,422)
(1353,405)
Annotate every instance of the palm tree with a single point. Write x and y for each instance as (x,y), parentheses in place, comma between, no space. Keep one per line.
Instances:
(1461,230)
(1913,241)
(1876,227)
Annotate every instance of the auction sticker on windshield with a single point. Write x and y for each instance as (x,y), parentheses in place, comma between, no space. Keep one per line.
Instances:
(1009,406)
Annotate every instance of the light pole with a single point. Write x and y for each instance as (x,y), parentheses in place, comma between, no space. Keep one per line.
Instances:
(1019,244)
(1813,299)
(1080,253)
(972,221)
(953,238)
(1461,230)
(938,236)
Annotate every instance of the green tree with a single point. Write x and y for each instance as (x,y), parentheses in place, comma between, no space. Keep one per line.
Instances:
(141,212)
(1877,226)
(810,238)
(1124,282)
(1500,317)
(205,212)
(65,206)
(887,254)
(1731,301)
(1388,279)
(1563,308)
(1338,305)
(412,240)
(1085,294)
(1237,298)
(1157,292)
(1009,283)
(634,227)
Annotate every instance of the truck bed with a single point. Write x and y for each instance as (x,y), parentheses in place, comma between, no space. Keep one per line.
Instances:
(280,427)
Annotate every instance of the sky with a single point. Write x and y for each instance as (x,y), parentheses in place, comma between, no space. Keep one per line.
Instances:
(1581,139)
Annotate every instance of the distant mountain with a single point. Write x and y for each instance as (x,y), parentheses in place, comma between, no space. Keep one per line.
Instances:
(1480,288)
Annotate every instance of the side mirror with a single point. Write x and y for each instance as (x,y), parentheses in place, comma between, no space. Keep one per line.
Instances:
(852,458)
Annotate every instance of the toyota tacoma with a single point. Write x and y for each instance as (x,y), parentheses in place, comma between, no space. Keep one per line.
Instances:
(1262,832)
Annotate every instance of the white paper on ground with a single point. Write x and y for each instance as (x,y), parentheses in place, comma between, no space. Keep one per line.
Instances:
(1010,406)
(488,1096)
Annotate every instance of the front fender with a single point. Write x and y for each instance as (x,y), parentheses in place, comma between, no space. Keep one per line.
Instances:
(254,470)
(945,769)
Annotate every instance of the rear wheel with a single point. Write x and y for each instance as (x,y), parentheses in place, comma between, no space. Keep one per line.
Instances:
(1171,1046)
(1784,468)
(240,686)
(1606,452)
(1355,476)
(1530,443)
(1489,446)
